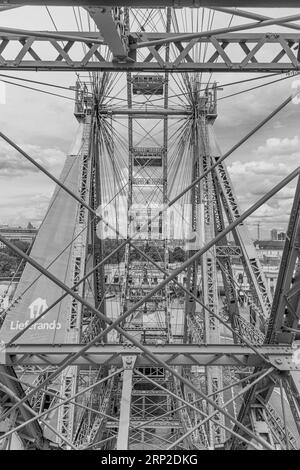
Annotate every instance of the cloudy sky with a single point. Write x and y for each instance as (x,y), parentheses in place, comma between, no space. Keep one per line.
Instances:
(44,126)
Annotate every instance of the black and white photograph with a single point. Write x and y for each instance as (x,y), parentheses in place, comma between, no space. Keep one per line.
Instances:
(149,229)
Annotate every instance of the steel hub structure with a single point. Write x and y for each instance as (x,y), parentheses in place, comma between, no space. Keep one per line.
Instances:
(128,328)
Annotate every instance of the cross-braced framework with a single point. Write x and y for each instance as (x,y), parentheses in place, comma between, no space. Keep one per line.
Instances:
(128,328)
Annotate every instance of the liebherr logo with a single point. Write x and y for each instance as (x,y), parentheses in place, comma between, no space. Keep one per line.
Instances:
(37,308)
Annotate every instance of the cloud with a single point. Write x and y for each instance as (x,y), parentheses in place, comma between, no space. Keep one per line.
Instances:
(258,168)
(12,163)
(267,166)
(24,207)
(278,147)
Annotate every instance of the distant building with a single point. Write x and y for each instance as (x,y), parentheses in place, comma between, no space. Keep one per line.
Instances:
(269,253)
(281,236)
(269,248)
(18,233)
(276,235)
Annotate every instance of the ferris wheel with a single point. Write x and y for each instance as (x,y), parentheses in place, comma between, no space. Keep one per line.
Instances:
(130,327)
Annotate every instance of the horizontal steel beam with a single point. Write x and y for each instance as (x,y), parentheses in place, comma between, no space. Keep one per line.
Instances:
(172,354)
(145,112)
(159,3)
(145,424)
(280,52)
(252,16)
(88,36)
(153,67)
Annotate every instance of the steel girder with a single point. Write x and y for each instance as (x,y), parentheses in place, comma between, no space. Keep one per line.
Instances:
(205,223)
(255,274)
(159,3)
(30,56)
(283,321)
(8,7)
(112,28)
(125,403)
(32,435)
(173,354)
(156,357)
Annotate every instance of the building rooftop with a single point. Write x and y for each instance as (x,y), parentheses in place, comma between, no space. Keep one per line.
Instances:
(5,228)
(17,229)
(269,244)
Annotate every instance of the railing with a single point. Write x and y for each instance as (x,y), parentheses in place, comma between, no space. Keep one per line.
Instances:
(248,331)
(198,438)
(278,427)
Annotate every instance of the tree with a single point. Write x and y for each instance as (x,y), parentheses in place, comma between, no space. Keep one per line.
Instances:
(24,246)
(178,254)
(9,260)
(8,264)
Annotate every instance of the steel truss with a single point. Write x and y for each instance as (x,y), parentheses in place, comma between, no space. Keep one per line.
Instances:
(31,53)
(76,296)
(175,355)
(197,382)
(283,323)
(156,3)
